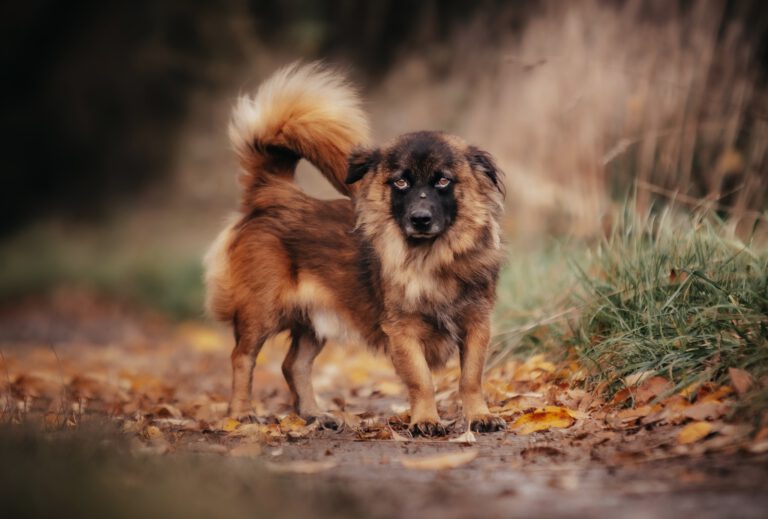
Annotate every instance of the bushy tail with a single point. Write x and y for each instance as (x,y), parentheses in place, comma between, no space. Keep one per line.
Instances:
(301,111)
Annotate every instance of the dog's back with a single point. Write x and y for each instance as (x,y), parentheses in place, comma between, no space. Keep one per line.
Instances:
(299,112)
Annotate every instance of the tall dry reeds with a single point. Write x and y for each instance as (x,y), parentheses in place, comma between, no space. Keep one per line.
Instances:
(590,100)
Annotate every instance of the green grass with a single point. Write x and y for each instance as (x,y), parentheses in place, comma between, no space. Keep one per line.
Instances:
(153,275)
(676,296)
(668,294)
(534,298)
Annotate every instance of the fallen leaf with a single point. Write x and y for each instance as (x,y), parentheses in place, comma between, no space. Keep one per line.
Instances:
(466,438)
(694,432)
(620,396)
(632,414)
(256,431)
(292,423)
(301,467)
(440,461)
(152,432)
(227,425)
(714,395)
(651,388)
(742,381)
(758,447)
(543,419)
(166,411)
(708,410)
(36,385)
(518,403)
(132,426)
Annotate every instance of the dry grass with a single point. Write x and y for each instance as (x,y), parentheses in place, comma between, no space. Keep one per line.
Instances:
(582,102)
(589,98)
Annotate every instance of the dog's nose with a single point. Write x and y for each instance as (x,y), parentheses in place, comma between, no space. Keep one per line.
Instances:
(421,219)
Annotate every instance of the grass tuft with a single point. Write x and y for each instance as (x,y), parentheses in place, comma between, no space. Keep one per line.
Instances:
(664,294)
(675,296)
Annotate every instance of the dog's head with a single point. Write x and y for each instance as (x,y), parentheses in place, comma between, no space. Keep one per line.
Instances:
(427,179)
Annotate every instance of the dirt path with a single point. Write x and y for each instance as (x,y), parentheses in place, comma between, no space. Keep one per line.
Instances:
(70,362)
(507,480)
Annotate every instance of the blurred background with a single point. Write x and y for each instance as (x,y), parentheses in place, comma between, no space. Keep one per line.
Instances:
(118,173)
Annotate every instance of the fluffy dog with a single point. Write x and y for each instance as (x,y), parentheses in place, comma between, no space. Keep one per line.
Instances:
(408,265)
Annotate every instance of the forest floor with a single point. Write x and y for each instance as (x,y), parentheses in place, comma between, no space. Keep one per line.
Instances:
(107,409)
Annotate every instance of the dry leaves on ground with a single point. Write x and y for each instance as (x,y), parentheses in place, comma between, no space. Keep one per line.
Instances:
(167,387)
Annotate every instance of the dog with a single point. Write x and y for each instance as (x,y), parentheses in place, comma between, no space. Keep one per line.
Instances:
(408,264)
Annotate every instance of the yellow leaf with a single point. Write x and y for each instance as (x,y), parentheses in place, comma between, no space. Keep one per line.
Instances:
(153,432)
(292,423)
(543,419)
(440,461)
(228,424)
(694,432)
(716,395)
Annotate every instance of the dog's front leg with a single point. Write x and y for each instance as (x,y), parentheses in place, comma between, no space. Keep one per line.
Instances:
(473,351)
(407,355)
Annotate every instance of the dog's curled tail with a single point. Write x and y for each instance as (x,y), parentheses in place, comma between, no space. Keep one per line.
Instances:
(301,111)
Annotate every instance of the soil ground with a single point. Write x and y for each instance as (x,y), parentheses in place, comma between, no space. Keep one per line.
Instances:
(73,361)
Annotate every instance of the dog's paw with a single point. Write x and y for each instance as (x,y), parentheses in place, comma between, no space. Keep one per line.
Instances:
(326,421)
(487,423)
(428,428)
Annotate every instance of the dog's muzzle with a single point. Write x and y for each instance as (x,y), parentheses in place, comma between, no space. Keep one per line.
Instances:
(421,223)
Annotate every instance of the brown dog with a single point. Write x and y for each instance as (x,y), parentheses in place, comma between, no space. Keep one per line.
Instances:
(409,265)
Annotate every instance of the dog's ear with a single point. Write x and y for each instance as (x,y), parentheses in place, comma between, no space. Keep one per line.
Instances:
(482,162)
(360,162)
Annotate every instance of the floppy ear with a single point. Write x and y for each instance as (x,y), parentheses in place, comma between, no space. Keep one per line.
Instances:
(360,162)
(482,162)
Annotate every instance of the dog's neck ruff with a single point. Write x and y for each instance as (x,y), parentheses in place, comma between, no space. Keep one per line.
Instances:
(424,276)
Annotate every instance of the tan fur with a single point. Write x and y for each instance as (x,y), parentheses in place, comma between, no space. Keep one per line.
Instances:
(343,270)
(218,282)
(307,109)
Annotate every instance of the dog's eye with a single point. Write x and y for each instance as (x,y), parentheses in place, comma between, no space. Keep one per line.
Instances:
(400,183)
(443,182)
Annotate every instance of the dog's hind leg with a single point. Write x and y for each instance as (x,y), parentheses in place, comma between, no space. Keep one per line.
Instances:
(297,368)
(248,343)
